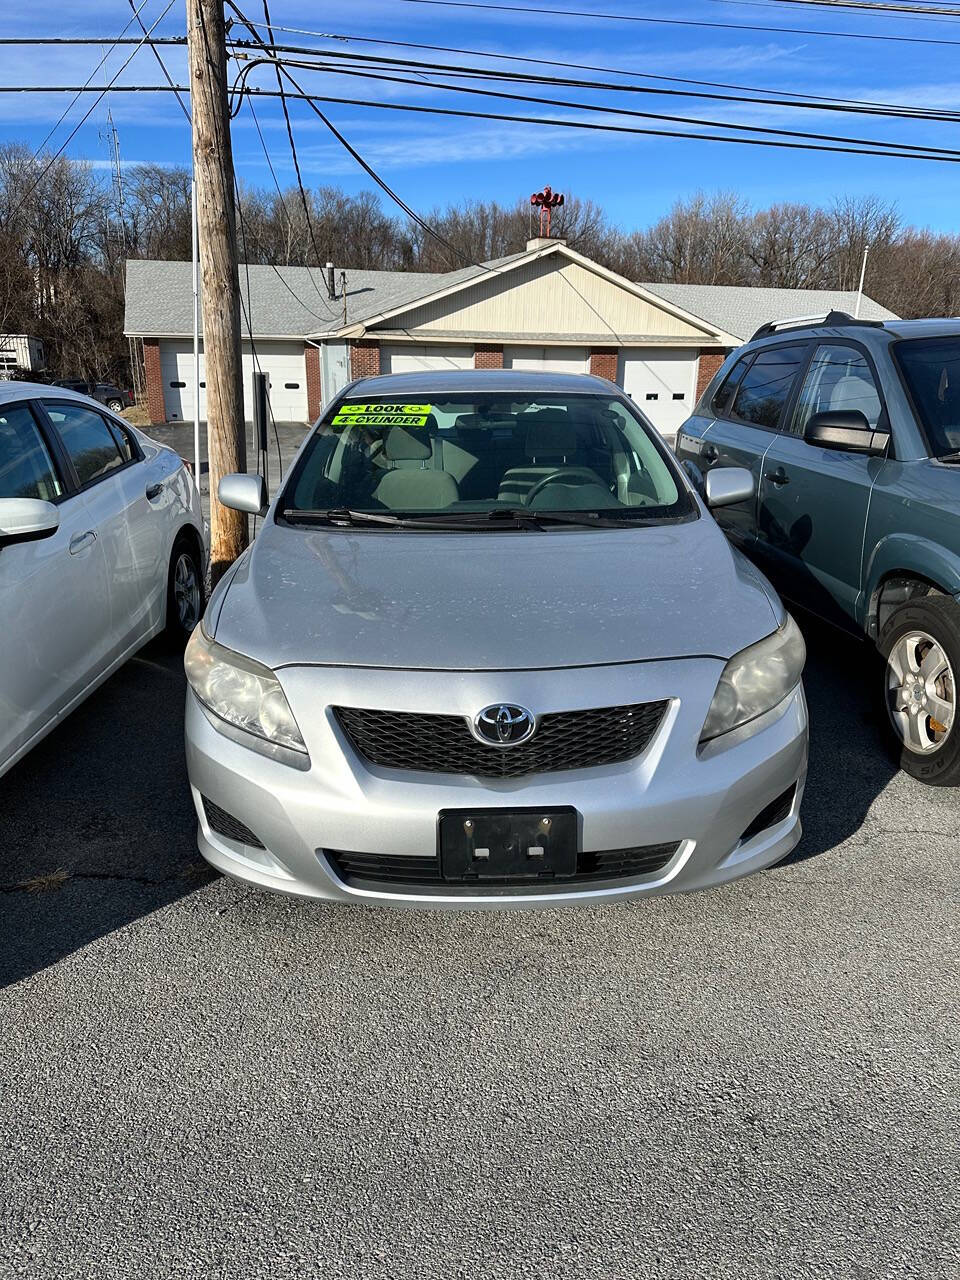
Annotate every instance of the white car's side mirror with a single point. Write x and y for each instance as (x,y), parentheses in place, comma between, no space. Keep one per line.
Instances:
(242,492)
(728,485)
(27,519)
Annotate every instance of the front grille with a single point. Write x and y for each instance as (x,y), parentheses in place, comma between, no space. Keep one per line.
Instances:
(225,824)
(773,813)
(444,744)
(369,870)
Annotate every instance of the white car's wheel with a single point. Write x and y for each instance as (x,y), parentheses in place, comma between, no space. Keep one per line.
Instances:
(184,591)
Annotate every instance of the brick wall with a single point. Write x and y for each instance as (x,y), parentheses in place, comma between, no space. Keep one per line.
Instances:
(707,366)
(311,358)
(487,357)
(365,359)
(603,363)
(156,406)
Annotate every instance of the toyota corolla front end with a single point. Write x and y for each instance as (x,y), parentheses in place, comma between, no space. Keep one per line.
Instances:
(490,650)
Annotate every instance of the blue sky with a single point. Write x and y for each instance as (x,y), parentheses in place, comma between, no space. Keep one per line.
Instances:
(435,160)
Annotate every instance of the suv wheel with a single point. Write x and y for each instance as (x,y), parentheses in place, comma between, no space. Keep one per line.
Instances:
(184,592)
(116,405)
(920,644)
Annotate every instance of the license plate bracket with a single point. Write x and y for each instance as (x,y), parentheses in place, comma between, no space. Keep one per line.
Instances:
(513,846)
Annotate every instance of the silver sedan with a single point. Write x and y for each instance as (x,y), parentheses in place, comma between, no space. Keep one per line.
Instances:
(101,547)
(489,649)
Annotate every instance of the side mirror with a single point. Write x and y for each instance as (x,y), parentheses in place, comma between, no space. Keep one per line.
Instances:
(241,492)
(847,430)
(27,520)
(727,485)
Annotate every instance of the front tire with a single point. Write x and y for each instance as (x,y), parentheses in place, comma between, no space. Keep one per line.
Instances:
(117,406)
(184,591)
(920,645)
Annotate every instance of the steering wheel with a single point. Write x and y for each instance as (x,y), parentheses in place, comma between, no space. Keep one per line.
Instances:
(580,475)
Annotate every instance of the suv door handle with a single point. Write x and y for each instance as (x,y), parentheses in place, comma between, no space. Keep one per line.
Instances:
(709,453)
(778,477)
(81,540)
(153,491)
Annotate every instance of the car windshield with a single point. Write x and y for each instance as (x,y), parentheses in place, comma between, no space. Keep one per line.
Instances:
(481,459)
(931,370)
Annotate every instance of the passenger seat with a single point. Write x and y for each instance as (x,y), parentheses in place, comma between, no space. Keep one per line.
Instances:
(406,488)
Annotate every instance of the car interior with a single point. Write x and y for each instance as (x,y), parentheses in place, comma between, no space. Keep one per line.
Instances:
(576,456)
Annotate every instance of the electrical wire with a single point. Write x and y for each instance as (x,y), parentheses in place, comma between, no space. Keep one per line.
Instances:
(668,22)
(806,101)
(69,107)
(304,203)
(473,90)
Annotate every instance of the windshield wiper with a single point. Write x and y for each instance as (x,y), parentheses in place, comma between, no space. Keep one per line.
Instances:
(949,457)
(519,517)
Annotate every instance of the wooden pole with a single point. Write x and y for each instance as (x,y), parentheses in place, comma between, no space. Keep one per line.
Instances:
(217,245)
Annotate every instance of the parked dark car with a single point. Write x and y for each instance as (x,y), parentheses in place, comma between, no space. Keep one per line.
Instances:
(113,397)
(852,432)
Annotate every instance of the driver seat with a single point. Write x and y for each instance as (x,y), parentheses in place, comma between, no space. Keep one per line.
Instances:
(552,443)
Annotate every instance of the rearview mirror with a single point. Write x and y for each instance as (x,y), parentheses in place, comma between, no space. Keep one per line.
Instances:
(847,430)
(727,485)
(27,519)
(241,492)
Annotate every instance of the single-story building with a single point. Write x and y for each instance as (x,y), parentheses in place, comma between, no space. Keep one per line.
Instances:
(19,352)
(547,308)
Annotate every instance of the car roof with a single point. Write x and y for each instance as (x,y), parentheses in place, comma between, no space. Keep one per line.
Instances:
(30,390)
(932,327)
(454,381)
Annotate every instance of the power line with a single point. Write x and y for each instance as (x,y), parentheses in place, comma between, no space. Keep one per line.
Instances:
(821,101)
(101,94)
(676,22)
(448,70)
(595,127)
(473,90)
(871,6)
(70,105)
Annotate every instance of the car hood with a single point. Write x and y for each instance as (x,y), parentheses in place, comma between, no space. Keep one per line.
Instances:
(492,601)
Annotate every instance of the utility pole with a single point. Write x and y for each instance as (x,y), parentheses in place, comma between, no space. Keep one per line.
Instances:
(217,247)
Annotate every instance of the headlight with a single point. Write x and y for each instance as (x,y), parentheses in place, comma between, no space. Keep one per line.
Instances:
(243,693)
(755,680)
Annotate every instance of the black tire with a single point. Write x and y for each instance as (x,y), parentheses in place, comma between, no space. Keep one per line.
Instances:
(116,405)
(186,572)
(934,621)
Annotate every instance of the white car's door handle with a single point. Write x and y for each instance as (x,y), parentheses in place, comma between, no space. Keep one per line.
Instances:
(81,540)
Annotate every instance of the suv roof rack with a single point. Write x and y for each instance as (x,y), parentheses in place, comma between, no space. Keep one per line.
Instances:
(836,319)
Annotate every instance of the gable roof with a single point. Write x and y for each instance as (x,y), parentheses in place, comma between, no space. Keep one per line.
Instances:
(742,309)
(292,302)
(283,302)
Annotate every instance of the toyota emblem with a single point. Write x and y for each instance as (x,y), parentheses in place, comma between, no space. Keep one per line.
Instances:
(504,725)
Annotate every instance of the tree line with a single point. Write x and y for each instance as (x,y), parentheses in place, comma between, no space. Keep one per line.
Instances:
(67,230)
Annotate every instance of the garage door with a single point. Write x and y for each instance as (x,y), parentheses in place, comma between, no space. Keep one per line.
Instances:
(283,362)
(547,359)
(662,383)
(414,359)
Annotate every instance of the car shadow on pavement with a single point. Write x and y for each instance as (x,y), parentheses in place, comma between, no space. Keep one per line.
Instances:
(96,824)
(851,759)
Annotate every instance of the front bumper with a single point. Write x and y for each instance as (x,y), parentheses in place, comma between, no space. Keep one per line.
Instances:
(671,793)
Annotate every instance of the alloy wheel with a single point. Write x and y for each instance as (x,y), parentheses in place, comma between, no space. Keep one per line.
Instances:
(921,692)
(186,591)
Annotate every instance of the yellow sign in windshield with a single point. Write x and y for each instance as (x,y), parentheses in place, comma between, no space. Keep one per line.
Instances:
(382,415)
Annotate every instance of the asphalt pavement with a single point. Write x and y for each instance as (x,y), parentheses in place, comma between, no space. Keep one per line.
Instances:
(201,1079)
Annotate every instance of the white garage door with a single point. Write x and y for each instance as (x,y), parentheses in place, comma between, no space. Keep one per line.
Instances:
(401,358)
(283,362)
(662,383)
(547,359)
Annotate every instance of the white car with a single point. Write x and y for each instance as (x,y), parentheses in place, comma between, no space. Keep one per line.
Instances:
(102,547)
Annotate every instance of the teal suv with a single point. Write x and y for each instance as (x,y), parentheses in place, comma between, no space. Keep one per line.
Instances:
(851,430)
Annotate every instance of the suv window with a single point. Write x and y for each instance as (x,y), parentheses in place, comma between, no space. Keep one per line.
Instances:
(839,378)
(26,468)
(87,439)
(767,384)
(721,401)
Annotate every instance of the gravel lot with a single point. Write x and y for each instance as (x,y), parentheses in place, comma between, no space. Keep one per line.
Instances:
(203,1080)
